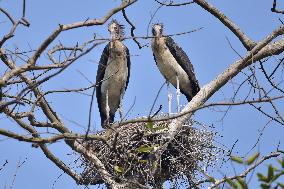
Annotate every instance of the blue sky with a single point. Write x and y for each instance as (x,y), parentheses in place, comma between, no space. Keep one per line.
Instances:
(208,50)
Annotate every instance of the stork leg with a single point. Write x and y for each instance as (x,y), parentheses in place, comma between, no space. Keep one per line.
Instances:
(120,109)
(107,107)
(170,97)
(178,95)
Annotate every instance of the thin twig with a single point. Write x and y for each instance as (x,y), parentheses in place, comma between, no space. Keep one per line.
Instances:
(152,17)
(24,8)
(90,112)
(273,9)
(172,4)
(199,108)
(247,42)
(132,29)
(156,98)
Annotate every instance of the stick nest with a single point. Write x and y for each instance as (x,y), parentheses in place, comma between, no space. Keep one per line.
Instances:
(130,154)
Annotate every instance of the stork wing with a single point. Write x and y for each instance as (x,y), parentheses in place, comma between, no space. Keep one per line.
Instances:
(128,66)
(102,65)
(184,62)
(100,75)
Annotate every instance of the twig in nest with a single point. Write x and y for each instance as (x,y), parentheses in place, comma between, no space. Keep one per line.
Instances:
(135,146)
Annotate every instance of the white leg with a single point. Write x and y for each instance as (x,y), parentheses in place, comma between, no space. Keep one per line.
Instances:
(120,109)
(178,95)
(170,97)
(107,107)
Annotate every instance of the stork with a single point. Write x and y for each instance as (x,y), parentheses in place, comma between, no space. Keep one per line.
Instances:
(112,74)
(174,65)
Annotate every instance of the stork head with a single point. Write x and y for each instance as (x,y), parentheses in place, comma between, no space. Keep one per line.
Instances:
(116,30)
(157,30)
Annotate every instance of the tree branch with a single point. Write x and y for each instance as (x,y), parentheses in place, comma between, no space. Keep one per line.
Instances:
(172,4)
(208,90)
(66,27)
(132,29)
(246,41)
(60,164)
(273,9)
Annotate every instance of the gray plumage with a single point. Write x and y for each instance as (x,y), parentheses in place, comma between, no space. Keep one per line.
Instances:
(173,62)
(113,74)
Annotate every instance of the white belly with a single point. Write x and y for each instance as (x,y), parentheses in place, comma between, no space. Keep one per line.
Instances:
(114,82)
(169,67)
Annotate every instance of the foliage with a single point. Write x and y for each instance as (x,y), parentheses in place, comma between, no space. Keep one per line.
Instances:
(269,180)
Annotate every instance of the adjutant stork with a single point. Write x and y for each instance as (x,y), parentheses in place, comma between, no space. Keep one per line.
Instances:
(174,64)
(113,74)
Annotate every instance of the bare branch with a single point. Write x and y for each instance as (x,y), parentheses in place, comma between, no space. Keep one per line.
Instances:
(132,29)
(90,112)
(208,90)
(19,165)
(66,27)
(273,9)
(60,164)
(268,78)
(172,4)
(247,42)
(14,26)
(102,20)
(23,100)
(65,136)
(24,9)
(172,117)
(8,15)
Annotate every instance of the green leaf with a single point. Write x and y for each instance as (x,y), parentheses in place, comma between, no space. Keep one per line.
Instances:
(237,159)
(251,159)
(154,165)
(212,179)
(276,176)
(118,169)
(265,186)
(261,177)
(242,183)
(159,128)
(150,125)
(270,173)
(281,185)
(281,162)
(143,161)
(146,149)
(232,183)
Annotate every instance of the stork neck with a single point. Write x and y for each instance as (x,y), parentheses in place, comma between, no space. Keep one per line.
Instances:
(159,40)
(115,36)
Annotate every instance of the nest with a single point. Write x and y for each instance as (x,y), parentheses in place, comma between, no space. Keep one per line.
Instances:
(131,154)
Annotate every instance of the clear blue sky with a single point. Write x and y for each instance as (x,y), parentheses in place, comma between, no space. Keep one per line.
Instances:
(208,50)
